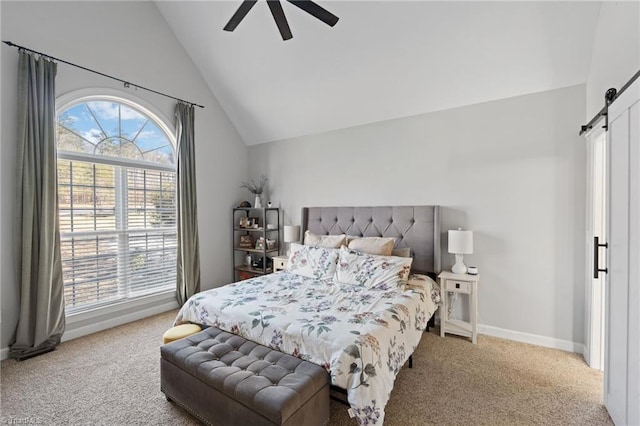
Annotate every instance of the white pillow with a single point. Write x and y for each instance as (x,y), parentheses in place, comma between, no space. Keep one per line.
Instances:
(312,261)
(331,241)
(369,270)
(373,245)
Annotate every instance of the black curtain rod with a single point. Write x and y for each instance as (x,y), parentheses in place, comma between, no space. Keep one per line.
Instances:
(126,83)
(609,96)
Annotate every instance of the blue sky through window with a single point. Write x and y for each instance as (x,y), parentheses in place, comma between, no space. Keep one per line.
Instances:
(108,128)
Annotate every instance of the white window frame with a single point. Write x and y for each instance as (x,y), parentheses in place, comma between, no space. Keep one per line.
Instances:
(151,303)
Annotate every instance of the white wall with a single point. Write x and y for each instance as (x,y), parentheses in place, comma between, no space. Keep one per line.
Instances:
(511,170)
(616,51)
(129,40)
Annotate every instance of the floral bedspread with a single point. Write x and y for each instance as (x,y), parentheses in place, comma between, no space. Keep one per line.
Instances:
(362,336)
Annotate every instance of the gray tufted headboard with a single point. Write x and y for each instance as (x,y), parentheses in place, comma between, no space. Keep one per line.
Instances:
(417,227)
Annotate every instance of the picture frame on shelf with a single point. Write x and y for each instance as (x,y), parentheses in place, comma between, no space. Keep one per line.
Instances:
(244,222)
(260,244)
(245,241)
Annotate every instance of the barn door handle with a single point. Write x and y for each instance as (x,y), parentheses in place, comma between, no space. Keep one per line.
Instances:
(596,260)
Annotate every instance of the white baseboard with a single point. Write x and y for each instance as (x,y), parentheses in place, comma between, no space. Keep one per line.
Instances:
(109,323)
(534,339)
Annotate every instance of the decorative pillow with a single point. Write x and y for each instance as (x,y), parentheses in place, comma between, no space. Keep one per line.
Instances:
(401,252)
(373,245)
(331,241)
(369,270)
(312,261)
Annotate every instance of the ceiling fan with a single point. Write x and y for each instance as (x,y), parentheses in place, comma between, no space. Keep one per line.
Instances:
(278,14)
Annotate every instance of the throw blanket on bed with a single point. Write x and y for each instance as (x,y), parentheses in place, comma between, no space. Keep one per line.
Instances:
(362,336)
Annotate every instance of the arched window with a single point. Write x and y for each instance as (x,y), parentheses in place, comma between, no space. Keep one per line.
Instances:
(117,202)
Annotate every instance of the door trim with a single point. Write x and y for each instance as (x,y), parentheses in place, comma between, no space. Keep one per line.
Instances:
(594,291)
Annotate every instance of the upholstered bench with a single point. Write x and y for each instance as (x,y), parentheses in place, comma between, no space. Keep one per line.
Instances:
(224,379)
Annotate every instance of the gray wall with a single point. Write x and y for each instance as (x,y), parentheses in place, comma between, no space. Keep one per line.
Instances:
(512,170)
(616,51)
(130,40)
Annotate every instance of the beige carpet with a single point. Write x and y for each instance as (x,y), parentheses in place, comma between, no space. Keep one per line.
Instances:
(90,381)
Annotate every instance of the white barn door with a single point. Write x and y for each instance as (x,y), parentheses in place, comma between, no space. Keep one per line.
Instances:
(622,310)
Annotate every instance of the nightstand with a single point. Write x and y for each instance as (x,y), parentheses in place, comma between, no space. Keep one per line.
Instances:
(279,263)
(459,284)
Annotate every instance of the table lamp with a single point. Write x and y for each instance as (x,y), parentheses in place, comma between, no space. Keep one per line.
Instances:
(460,243)
(291,234)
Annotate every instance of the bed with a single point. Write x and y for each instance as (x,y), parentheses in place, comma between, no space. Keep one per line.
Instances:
(362,335)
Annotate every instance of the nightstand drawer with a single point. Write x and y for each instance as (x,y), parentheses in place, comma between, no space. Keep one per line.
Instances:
(458,286)
(279,263)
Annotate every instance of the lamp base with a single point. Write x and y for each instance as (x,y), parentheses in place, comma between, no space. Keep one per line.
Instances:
(459,267)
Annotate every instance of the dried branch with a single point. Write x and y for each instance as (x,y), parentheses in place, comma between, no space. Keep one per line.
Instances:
(253,187)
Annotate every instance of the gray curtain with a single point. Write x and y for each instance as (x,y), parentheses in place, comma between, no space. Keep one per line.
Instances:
(41,321)
(188,282)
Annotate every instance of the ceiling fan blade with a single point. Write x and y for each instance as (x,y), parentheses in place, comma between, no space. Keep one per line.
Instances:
(315,10)
(242,11)
(281,20)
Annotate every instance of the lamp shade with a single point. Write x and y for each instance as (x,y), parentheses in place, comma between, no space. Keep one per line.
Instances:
(460,242)
(291,233)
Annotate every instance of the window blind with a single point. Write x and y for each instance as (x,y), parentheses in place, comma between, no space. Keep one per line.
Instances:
(118,232)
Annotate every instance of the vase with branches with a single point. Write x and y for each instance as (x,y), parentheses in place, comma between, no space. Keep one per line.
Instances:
(256,188)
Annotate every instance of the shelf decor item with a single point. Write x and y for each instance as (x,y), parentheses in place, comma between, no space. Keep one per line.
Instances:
(460,243)
(256,189)
(245,241)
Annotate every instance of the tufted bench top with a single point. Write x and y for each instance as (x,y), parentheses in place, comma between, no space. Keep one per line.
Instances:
(271,383)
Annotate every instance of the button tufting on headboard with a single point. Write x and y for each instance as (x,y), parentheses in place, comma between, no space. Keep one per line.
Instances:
(417,227)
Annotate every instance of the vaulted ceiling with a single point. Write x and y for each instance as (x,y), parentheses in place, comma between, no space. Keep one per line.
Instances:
(383,59)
